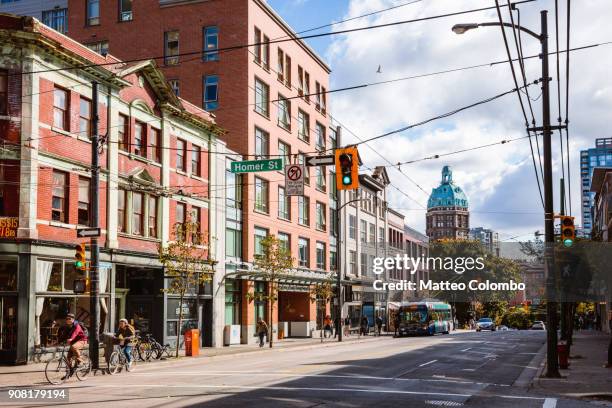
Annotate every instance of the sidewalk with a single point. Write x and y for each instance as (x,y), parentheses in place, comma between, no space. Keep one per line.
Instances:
(586,377)
(34,374)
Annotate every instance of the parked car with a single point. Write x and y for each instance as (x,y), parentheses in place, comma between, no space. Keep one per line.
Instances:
(538,325)
(485,323)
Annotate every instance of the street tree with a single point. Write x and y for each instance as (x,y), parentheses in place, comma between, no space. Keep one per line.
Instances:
(187,265)
(322,291)
(271,265)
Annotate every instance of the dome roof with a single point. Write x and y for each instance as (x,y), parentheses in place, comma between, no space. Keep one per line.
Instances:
(447,194)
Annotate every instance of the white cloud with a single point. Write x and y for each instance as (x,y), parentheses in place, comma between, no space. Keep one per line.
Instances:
(499,178)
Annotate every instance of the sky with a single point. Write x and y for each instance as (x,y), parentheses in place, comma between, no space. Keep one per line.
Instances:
(500,181)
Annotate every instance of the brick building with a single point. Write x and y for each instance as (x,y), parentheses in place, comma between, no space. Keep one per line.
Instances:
(160,158)
(270,98)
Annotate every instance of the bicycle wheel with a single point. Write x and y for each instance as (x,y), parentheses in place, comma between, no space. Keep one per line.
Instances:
(57,371)
(114,363)
(156,350)
(83,370)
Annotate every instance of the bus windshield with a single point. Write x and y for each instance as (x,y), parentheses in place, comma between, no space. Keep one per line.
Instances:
(413,314)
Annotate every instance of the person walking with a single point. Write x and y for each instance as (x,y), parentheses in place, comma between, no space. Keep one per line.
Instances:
(327,328)
(379,323)
(262,331)
(365,325)
(347,326)
(337,326)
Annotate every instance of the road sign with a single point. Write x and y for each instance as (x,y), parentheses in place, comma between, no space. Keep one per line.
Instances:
(88,232)
(294,180)
(321,160)
(253,166)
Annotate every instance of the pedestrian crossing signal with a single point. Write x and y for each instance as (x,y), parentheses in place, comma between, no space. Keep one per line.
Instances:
(80,258)
(347,168)
(568,231)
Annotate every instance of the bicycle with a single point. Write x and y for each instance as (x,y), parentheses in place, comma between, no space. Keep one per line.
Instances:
(59,369)
(118,361)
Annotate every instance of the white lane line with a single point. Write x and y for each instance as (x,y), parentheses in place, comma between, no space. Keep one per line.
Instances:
(550,403)
(469,348)
(427,363)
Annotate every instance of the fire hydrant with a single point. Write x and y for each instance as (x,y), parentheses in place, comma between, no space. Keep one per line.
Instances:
(563,352)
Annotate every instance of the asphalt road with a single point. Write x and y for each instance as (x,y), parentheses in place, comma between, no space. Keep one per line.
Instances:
(458,370)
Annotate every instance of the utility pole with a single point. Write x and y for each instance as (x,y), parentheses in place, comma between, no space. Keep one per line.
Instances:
(552,363)
(339,246)
(94,267)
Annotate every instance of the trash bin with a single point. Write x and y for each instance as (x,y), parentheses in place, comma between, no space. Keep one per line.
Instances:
(192,342)
(563,352)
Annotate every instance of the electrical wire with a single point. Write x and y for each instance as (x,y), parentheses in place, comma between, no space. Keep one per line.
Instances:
(567,73)
(559,101)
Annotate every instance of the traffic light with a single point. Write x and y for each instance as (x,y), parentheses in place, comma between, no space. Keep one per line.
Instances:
(80,258)
(568,231)
(347,168)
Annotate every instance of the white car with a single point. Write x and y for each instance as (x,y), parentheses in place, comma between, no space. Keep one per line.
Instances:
(538,325)
(485,323)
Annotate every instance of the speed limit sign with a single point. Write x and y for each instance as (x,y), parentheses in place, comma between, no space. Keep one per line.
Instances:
(294,179)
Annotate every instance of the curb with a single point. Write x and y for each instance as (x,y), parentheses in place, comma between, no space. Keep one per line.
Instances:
(528,378)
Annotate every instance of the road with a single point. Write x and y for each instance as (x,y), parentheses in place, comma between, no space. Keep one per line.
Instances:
(458,370)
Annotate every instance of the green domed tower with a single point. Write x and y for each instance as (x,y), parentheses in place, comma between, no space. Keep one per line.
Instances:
(448,213)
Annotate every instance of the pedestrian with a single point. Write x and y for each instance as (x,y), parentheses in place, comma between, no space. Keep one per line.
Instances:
(379,323)
(262,331)
(337,326)
(396,323)
(347,326)
(365,325)
(327,328)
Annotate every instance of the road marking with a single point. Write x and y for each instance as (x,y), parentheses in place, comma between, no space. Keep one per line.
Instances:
(427,363)
(469,348)
(550,403)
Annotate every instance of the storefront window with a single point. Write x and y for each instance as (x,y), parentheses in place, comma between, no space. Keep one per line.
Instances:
(55,280)
(8,276)
(232,302)
(260,302)
(8,322)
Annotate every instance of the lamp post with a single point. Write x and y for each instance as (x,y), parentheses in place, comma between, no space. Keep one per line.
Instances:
(552,364)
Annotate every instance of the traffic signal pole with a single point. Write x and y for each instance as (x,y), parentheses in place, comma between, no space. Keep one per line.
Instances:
(94,277)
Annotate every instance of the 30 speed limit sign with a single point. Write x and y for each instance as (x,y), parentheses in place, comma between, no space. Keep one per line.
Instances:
(294,179)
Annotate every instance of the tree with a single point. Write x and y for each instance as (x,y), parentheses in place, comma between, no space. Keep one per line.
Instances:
(274,262)
(186,263)
(322,291)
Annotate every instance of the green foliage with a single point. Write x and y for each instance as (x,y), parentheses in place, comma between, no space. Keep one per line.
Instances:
(517,317)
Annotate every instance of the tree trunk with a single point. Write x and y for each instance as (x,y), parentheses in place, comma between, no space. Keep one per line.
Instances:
(270,327)
(180,324)
(321,327)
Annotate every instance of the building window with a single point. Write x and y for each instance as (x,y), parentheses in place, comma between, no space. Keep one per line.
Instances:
(303,126)
(211,92)
(93,12)
(122,129)
(84,201)
(304,210)
(57,19)
(175,85)
(284,112)
(211,43)
(137,213)
(363,231)
(284,151)
(261,289)
(317,95)
(307,86)
(60,108)
(280,68)
(300,81)
(85,117)
(265,53)
(284,241)
(125,10)
(320,137)
(363,264)
(59,199)
(196,153)
(232,301)
(262,98)
(260,234)
(196,215)
(321,255)
(171,47)
(287,71)
(179,219)
(101,47)
(261,195)
(283,204)
(353,262)
(302,161)
(323,100)
(140,139)
(333,138)
(333,222)
(180,155)
(372,231)
(152,217)
(233,242)
(321,215)
(333,190)
(121,200)
(352,227)
(304,252)
(262,142)
(155,145)
(320,175)
(257,46)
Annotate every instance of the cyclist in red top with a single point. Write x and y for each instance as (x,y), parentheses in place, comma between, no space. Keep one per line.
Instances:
(77,339)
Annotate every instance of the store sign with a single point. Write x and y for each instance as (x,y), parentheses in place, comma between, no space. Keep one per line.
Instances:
(8,227)
(185,310)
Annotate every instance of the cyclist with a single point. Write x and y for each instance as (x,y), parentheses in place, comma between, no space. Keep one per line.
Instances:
(126,334)
(76,338)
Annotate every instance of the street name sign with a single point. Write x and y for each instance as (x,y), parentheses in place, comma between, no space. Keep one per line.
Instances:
(294,180)
(321,160)
(253,166)
(88,232)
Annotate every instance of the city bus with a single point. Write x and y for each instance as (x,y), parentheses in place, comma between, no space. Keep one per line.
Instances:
(425,318)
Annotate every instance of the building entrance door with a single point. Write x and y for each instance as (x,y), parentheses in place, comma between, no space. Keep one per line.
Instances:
(8,328)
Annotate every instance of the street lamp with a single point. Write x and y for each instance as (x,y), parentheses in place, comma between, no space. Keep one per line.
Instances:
(552,365)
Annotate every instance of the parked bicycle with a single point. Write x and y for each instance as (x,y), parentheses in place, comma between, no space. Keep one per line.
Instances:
(59,369)
(118,361)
